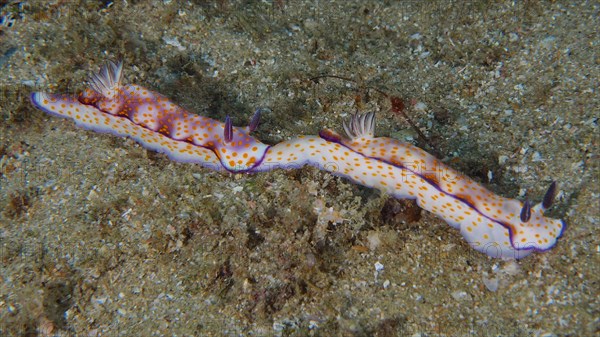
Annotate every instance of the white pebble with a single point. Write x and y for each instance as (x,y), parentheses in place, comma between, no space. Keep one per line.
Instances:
(491,283)
(420,106)
(459,295)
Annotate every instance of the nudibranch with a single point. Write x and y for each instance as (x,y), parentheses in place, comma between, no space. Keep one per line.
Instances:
(497,226)
(156,123)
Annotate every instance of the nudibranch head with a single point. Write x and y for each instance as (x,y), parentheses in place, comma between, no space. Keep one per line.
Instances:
(237,150)
(530,229)
(506,235)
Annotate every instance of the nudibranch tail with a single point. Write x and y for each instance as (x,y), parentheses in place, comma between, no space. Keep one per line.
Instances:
(89,117)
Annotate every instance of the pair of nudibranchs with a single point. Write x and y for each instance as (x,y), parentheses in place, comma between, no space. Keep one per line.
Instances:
(497,226)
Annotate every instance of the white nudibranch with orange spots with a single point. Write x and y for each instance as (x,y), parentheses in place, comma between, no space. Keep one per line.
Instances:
(497,226)
(156,123)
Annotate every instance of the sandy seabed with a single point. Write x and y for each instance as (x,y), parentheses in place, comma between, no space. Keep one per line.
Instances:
(100,237)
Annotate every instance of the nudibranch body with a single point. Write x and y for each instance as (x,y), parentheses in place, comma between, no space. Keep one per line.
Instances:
(497,226)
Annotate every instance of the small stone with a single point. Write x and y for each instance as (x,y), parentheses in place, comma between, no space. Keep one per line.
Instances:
(460,295)
(491,283)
